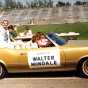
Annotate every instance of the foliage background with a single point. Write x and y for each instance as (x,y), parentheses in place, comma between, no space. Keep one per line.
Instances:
(81,28)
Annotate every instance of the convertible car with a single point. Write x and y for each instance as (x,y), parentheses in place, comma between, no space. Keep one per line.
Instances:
(60,55)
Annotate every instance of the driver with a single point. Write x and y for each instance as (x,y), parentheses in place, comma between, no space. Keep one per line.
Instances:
(41,40)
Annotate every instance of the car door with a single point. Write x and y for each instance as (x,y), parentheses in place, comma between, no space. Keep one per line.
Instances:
(44,58)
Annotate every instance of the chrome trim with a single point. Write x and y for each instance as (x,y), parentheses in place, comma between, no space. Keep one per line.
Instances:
(2,62)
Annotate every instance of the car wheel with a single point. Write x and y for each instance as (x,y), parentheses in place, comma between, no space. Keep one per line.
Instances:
(2,71)
(83,68)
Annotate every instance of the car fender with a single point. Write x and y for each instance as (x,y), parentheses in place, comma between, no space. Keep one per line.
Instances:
(85,56)
(2,62)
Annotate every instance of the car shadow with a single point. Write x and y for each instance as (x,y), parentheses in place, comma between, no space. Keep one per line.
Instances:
(42,74)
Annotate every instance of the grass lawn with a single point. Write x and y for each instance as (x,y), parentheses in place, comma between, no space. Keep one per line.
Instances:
(82,28)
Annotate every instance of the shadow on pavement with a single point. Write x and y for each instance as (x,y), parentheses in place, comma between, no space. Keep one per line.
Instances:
(42,74)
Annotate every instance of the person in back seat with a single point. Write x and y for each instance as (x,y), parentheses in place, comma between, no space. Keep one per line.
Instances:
(32,43)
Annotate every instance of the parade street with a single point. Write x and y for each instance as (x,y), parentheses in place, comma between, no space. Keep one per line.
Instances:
(44,80)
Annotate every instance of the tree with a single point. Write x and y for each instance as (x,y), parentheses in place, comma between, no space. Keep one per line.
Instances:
(50,3)
(10,4)
(45,3)
(68,4)
(41,3)
(78,3)
(59,3)
(1,4)
(36,3)
(84,3)
(7,3)
(19,4)
(28,4)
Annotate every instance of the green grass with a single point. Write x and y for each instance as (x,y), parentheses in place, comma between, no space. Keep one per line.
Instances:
(82,28)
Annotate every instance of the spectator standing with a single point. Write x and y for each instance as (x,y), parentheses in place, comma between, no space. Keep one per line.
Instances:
(4,34)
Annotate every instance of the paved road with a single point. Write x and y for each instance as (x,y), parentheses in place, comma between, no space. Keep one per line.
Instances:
(46,80)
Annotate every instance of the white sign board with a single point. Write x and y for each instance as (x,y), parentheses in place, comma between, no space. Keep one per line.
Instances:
(44,57)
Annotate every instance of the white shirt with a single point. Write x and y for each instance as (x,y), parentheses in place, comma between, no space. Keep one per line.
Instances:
(7,36)
(30,44)
(4,35)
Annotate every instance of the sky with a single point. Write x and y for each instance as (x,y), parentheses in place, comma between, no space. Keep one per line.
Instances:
(71,1)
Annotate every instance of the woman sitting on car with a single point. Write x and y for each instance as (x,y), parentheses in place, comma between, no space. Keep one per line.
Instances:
(41,40)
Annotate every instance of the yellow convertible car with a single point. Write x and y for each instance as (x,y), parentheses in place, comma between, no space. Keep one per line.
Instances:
(59,56)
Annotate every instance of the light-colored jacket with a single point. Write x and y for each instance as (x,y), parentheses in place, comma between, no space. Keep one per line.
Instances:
(4,35)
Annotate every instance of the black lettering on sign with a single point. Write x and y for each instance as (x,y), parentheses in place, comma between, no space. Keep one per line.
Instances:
(48,57)
(52,57)
(47,63)
(34,64)
(43,60)
(45,57)
(38,58)
(55,63)
(34,58)
(43,63)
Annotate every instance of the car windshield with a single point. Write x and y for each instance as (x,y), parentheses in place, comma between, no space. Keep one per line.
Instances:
(56,39)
